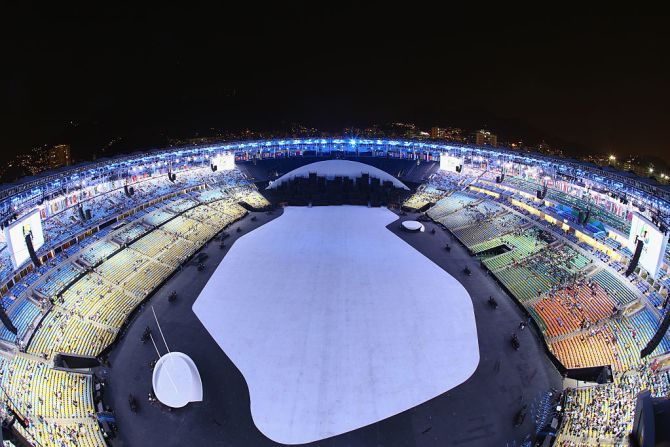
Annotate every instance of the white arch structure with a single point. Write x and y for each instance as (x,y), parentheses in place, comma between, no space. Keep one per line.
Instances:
(336,168)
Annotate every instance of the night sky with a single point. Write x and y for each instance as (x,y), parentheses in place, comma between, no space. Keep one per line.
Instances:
(85,78)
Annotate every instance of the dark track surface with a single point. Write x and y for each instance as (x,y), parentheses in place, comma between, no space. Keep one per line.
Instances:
(479,412)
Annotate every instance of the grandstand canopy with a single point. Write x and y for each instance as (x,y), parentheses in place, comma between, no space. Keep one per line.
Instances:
(334,168)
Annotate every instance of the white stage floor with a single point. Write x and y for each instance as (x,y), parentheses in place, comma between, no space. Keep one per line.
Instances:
(336,323)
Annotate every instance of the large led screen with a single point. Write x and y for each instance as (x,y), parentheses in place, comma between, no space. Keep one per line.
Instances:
(654,243)
(449,163)
(16,233)
(224,162)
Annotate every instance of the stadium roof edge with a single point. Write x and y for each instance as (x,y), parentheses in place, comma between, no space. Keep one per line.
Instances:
(259,145)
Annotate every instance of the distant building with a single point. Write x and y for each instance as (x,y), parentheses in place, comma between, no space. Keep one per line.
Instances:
(517,145)
(545,148)
(485,138)
(57,156)
(406,130)
(446,133)
(40,159)
(633,164)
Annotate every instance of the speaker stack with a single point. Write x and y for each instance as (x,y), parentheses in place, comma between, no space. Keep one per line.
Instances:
(129,190)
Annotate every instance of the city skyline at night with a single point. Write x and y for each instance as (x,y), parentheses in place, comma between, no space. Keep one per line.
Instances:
(583,85)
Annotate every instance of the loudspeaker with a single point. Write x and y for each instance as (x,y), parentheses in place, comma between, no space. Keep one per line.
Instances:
(539,194)
(81,213)
(214,167)
(605,375)
(88,214)
(459,168)
(645,421)
(658,336)
(636,258)
(520,416)
(31,250)
(7,322)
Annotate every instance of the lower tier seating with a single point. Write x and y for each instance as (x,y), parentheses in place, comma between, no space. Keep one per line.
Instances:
(603,414)
(57,404)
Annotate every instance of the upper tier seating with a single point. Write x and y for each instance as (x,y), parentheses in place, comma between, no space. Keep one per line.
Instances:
(524,283)
(180,205)
(484,230)
(129,233)
(448,205)
(64,331)
(197,232)
(574,307)
(157,217)
(522,243)
(98,252)
(423,197)
(23,316)
(58,279)
(250,197)
(210,195)
(614,287)
(593,348)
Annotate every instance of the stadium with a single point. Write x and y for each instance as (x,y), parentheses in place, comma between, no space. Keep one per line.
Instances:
(334,292)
